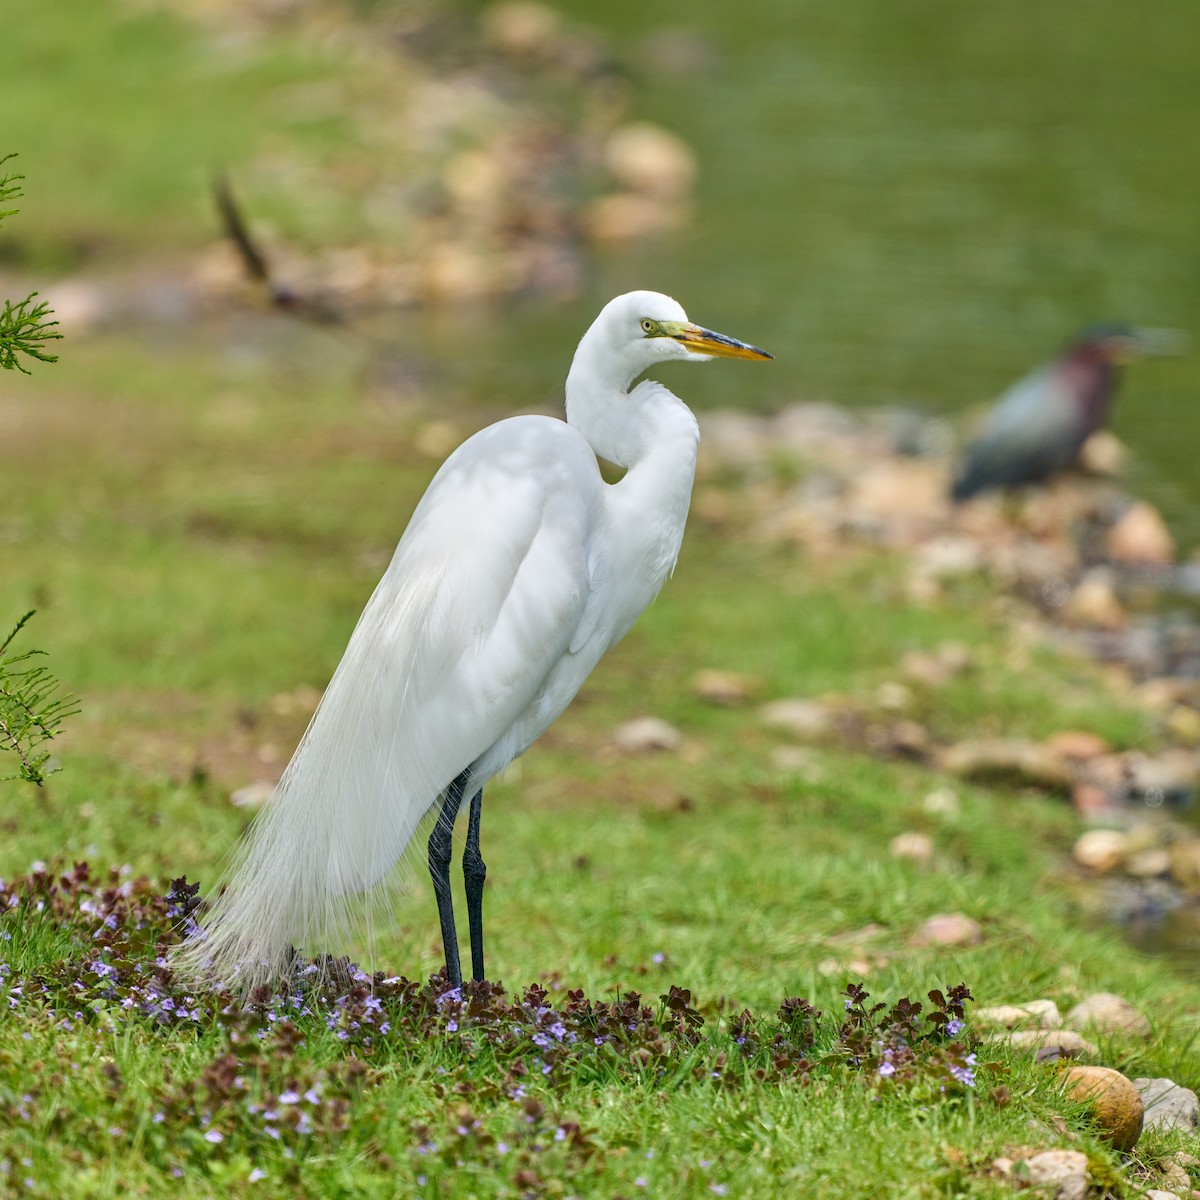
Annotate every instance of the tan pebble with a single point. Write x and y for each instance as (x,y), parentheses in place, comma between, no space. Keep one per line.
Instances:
(1037,1014)
(917,847)
(1140,536)
(1103,453)
(894,697)
(645,735)
(1077,744)
(1101,850)
(1051,1043)
(651,161)
(1116,1106)
(521,27)
(1184,724)
(803,718)
(1015,758)
(1094,604)
(1092,800)
(724,687)
(1184,858)
(949,929)
(1110,1013)
(253,795)
(1148,864)
(1161,694)
(941,803)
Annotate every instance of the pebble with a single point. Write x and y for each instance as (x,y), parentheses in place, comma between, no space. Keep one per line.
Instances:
(1109,1013)
(1168,1106)
(1117,1109)
(1013,758)
(1152,863)
(253,795)
(1051,1044)
(803,718)
(1184,856)
(917,847)
(1140,537)
(644,735)
(1038,1014)
(651,161)
(1101,850)
(949,929)
(1093,603)
(1064,1171)
(1077,744)
(724,687)
(941,803)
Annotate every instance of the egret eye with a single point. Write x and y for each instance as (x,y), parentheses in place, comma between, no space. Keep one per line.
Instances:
(648,325)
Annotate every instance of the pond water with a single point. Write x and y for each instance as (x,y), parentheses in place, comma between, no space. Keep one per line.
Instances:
(915,203)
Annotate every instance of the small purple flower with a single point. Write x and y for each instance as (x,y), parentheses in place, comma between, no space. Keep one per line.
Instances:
(256,1175)
(953,1027)
(719,1188)
(289,1097)
(215,1136)
(886,1069)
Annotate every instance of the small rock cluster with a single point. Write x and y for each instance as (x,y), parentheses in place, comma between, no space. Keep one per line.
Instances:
(1120,1108)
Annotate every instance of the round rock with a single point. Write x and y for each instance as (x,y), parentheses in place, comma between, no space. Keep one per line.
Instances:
(1116,1107)
(1168,1106)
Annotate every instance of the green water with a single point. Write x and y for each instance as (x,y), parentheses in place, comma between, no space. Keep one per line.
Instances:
(915,202)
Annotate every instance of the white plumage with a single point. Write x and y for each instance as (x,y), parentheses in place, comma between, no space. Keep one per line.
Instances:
(519,568)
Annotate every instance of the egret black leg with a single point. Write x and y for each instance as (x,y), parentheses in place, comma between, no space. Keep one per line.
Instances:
(441,841)
(474,873)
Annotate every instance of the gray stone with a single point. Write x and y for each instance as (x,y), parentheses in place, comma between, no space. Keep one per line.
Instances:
(1168,1106)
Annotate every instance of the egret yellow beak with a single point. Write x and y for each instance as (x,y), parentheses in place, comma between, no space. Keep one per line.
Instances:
(705,341)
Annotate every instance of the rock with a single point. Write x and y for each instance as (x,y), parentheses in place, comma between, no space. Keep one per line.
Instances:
(1093,801)
(797,760)
(1062,1174)
(943,803)
(650,161)
(1051,1044)
(894,697)
(1183,724)
(1140,537)
(1036,1014)
(1101,850)
(948,556)
(1116,1107)
(949,929)
(1169,777)
(1103,453)
(724,687)
(898,489)
(1109,1013)
(1093,603)
(1184,856)
(1168,1106)
(645,735)
(1159,1194)
(803,718)
(1077,745)
(522,28)
(1151,863)
(253,795)
(1015,758)
(917,847)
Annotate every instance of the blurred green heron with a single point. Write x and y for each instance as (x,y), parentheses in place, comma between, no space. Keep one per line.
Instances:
(1039,426)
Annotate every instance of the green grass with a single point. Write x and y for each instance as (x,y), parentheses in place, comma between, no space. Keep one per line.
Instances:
(199,523)
(194,571)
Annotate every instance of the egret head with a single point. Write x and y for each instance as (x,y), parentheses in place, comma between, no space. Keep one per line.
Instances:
(640,329)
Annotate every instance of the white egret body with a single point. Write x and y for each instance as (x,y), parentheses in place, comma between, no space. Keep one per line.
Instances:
(519,568)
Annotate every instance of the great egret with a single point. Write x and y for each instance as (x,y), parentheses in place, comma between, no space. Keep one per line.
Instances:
(519,568)
(1039,425)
